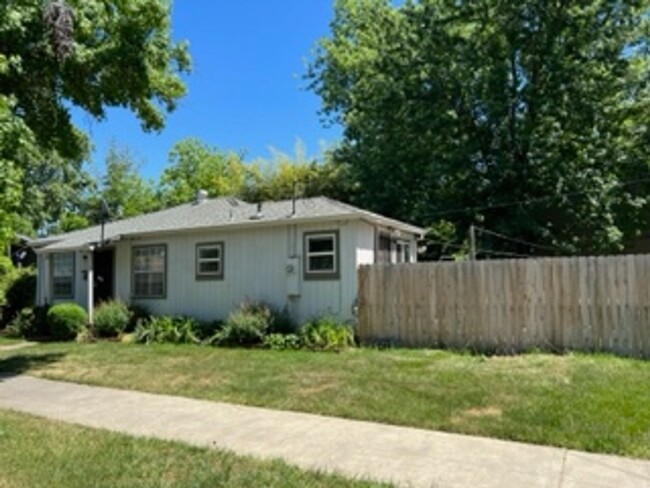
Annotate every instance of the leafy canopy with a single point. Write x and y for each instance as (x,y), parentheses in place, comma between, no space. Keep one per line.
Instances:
(92,54)
(529,118)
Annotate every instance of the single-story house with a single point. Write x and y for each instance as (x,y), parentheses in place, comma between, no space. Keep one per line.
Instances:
(206,257)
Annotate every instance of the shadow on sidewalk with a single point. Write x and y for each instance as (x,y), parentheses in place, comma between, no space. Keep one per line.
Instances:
(23,363)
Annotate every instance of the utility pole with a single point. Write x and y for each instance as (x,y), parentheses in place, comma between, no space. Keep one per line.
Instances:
(472,243)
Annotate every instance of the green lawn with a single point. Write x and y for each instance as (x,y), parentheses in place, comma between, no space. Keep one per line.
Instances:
(591,402)
(37,452)
(6,341)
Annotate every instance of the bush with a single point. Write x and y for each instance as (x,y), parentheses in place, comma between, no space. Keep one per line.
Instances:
(326,333)
(22,325)
(21,291)
(161,329)
(205,331)
(17,289)
(66,320)
(282,341)
(250,323)
(111,318)
(137,314)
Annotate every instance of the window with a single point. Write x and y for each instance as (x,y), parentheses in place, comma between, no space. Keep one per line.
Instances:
(383,249)
(403,250)
(209,261)
(149,271)
(321,255)
(63,275)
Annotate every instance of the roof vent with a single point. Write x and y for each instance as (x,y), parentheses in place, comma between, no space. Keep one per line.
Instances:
(259,215)
(200,196)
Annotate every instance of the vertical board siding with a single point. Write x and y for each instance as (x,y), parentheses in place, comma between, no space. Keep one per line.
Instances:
(583,303)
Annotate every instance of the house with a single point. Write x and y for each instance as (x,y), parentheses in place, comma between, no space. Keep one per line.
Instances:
(206,257)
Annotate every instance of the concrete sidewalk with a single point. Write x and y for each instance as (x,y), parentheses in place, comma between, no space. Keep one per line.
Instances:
(404,456)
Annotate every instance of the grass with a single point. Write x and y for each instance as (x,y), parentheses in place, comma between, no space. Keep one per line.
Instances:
(7,341)
(596,403)
(37,452)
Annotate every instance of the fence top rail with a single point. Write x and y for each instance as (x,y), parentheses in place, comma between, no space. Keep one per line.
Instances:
(604,259)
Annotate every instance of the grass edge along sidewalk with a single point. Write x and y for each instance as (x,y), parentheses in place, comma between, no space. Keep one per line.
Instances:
(39,452)
(594,403)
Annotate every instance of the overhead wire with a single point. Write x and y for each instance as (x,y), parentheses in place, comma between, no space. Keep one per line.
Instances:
(529,200)
(517,240)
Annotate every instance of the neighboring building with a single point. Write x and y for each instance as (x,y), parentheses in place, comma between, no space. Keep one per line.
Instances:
(205,258)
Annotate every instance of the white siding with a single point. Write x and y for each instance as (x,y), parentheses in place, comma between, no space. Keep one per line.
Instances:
(365,244)
(255,268)
(255,262)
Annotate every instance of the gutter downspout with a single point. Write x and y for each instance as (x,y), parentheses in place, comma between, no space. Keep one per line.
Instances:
(91,284)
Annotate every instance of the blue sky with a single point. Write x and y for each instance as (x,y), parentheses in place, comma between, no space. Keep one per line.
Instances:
(246,90)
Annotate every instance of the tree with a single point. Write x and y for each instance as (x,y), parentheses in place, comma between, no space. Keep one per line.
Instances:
(284,176)
(528,118)
(122,188)
(194,165)
(92,54)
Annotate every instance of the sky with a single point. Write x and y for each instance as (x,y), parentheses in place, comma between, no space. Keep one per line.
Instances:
(245,92)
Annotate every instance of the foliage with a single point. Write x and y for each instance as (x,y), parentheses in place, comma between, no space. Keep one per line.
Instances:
(17,289)
(66,320)
(111,318)
(326,333)
(194,165)
(122,188)
(280,342)
(284,175)
(250,323)
(22,325)
(90,54)
(21,291)
(137,313)
(7,273)
(526,117)
(164,329)
(206,331)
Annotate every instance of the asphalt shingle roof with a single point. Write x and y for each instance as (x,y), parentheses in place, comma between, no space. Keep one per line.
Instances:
(219,213)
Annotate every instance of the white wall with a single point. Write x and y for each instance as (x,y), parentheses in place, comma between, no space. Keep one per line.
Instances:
(255,263)
(255,268)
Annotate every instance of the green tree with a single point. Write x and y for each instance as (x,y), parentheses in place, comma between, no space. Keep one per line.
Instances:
(92,54)
(285,175)
(194,165)
(124,191)
(528,117)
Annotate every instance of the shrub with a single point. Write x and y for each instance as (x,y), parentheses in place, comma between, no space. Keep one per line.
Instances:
(17,289)
(282,341)
(250,323)
(161,329)
(111,318)
(21,291)
(326,333)
(205,331)
(22,325)
(66,320)
(137,313)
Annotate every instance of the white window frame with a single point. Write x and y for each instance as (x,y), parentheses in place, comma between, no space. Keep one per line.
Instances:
(202,275)
(401,247)
(135,272)
(55,277)
(316,274)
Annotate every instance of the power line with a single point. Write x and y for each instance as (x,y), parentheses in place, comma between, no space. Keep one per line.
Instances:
(529,200)
(503,253)
(519,241)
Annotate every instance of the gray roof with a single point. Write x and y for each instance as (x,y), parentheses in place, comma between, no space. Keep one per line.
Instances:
(219,213)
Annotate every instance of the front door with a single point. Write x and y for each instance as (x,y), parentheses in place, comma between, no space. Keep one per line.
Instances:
(103,274)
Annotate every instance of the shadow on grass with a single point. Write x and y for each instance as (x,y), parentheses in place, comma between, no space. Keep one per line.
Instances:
(22,363)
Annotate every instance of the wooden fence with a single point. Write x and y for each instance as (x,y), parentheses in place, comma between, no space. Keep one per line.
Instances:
(584,303)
